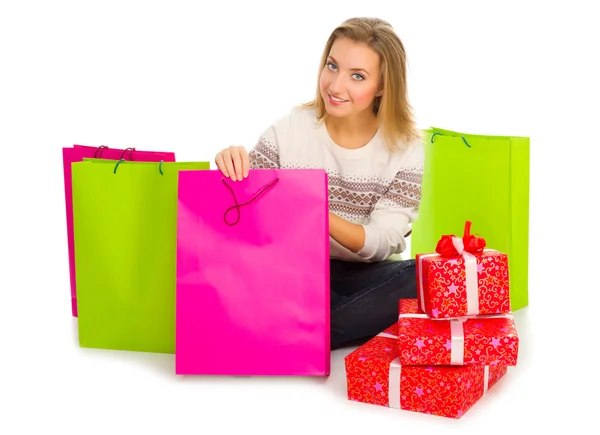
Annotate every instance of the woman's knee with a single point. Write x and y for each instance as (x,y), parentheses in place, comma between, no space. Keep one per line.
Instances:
(405,279)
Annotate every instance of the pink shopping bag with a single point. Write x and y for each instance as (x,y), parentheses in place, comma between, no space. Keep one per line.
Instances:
(77,153)
(252,293)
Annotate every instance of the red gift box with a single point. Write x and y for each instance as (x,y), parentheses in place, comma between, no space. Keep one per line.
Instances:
(479,340)
(462,278)
(374,375)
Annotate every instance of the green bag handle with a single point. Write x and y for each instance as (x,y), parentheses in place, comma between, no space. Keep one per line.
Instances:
(121,160)
(463,138)
(434,131)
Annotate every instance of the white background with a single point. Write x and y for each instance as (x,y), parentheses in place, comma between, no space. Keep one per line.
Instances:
(192,78)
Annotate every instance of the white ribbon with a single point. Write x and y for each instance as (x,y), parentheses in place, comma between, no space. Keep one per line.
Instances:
(386,335)
(508,315)
(393,377)
(457,343)
(471,276)
(486,378)
(394,383)
(457,332)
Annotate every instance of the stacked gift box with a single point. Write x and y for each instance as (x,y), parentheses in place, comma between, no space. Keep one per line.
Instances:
(450,344)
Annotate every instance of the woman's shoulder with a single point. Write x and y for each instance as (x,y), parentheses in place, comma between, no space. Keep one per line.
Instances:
(295,126)
(304,115)
(407,153)
(297,117)
(415,151)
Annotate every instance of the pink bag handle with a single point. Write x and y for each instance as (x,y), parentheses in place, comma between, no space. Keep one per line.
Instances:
(131,150)
(99,150)
(238,206)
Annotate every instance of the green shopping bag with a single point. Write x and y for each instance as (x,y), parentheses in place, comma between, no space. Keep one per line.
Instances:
(482,179)
(125,229)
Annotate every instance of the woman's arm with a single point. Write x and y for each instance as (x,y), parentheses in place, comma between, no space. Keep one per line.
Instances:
(389,222)
(347,234)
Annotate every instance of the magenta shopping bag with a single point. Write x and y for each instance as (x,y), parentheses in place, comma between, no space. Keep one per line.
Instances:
(252,293)
(77,153)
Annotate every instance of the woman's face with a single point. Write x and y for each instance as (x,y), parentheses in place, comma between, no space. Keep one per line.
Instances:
(349,82)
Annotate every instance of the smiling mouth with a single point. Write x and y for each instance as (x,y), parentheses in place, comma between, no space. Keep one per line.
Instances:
(337,100)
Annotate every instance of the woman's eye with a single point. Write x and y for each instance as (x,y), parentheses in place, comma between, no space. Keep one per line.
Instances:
(331,66)
(358,76)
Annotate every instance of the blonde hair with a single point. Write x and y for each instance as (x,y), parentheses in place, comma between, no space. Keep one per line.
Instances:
(392,108)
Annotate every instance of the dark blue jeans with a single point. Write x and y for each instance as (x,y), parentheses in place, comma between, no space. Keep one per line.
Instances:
(365,297)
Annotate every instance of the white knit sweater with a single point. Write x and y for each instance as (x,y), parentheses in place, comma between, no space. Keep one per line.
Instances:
(370,186)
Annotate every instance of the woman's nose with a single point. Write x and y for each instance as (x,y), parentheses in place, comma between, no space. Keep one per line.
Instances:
(337,85)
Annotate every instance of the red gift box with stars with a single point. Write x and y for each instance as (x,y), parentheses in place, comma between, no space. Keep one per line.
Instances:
(462,278)
(374,375)
(477,340)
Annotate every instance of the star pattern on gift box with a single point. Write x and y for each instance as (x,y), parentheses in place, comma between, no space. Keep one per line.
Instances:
(444,284)
(425,341)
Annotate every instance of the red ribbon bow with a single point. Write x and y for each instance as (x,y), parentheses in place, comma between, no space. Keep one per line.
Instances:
(472,244)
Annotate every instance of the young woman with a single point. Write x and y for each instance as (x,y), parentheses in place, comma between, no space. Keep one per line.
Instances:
(360,130)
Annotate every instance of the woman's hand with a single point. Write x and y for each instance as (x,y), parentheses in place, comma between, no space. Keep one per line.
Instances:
(351,236)
(233,162)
